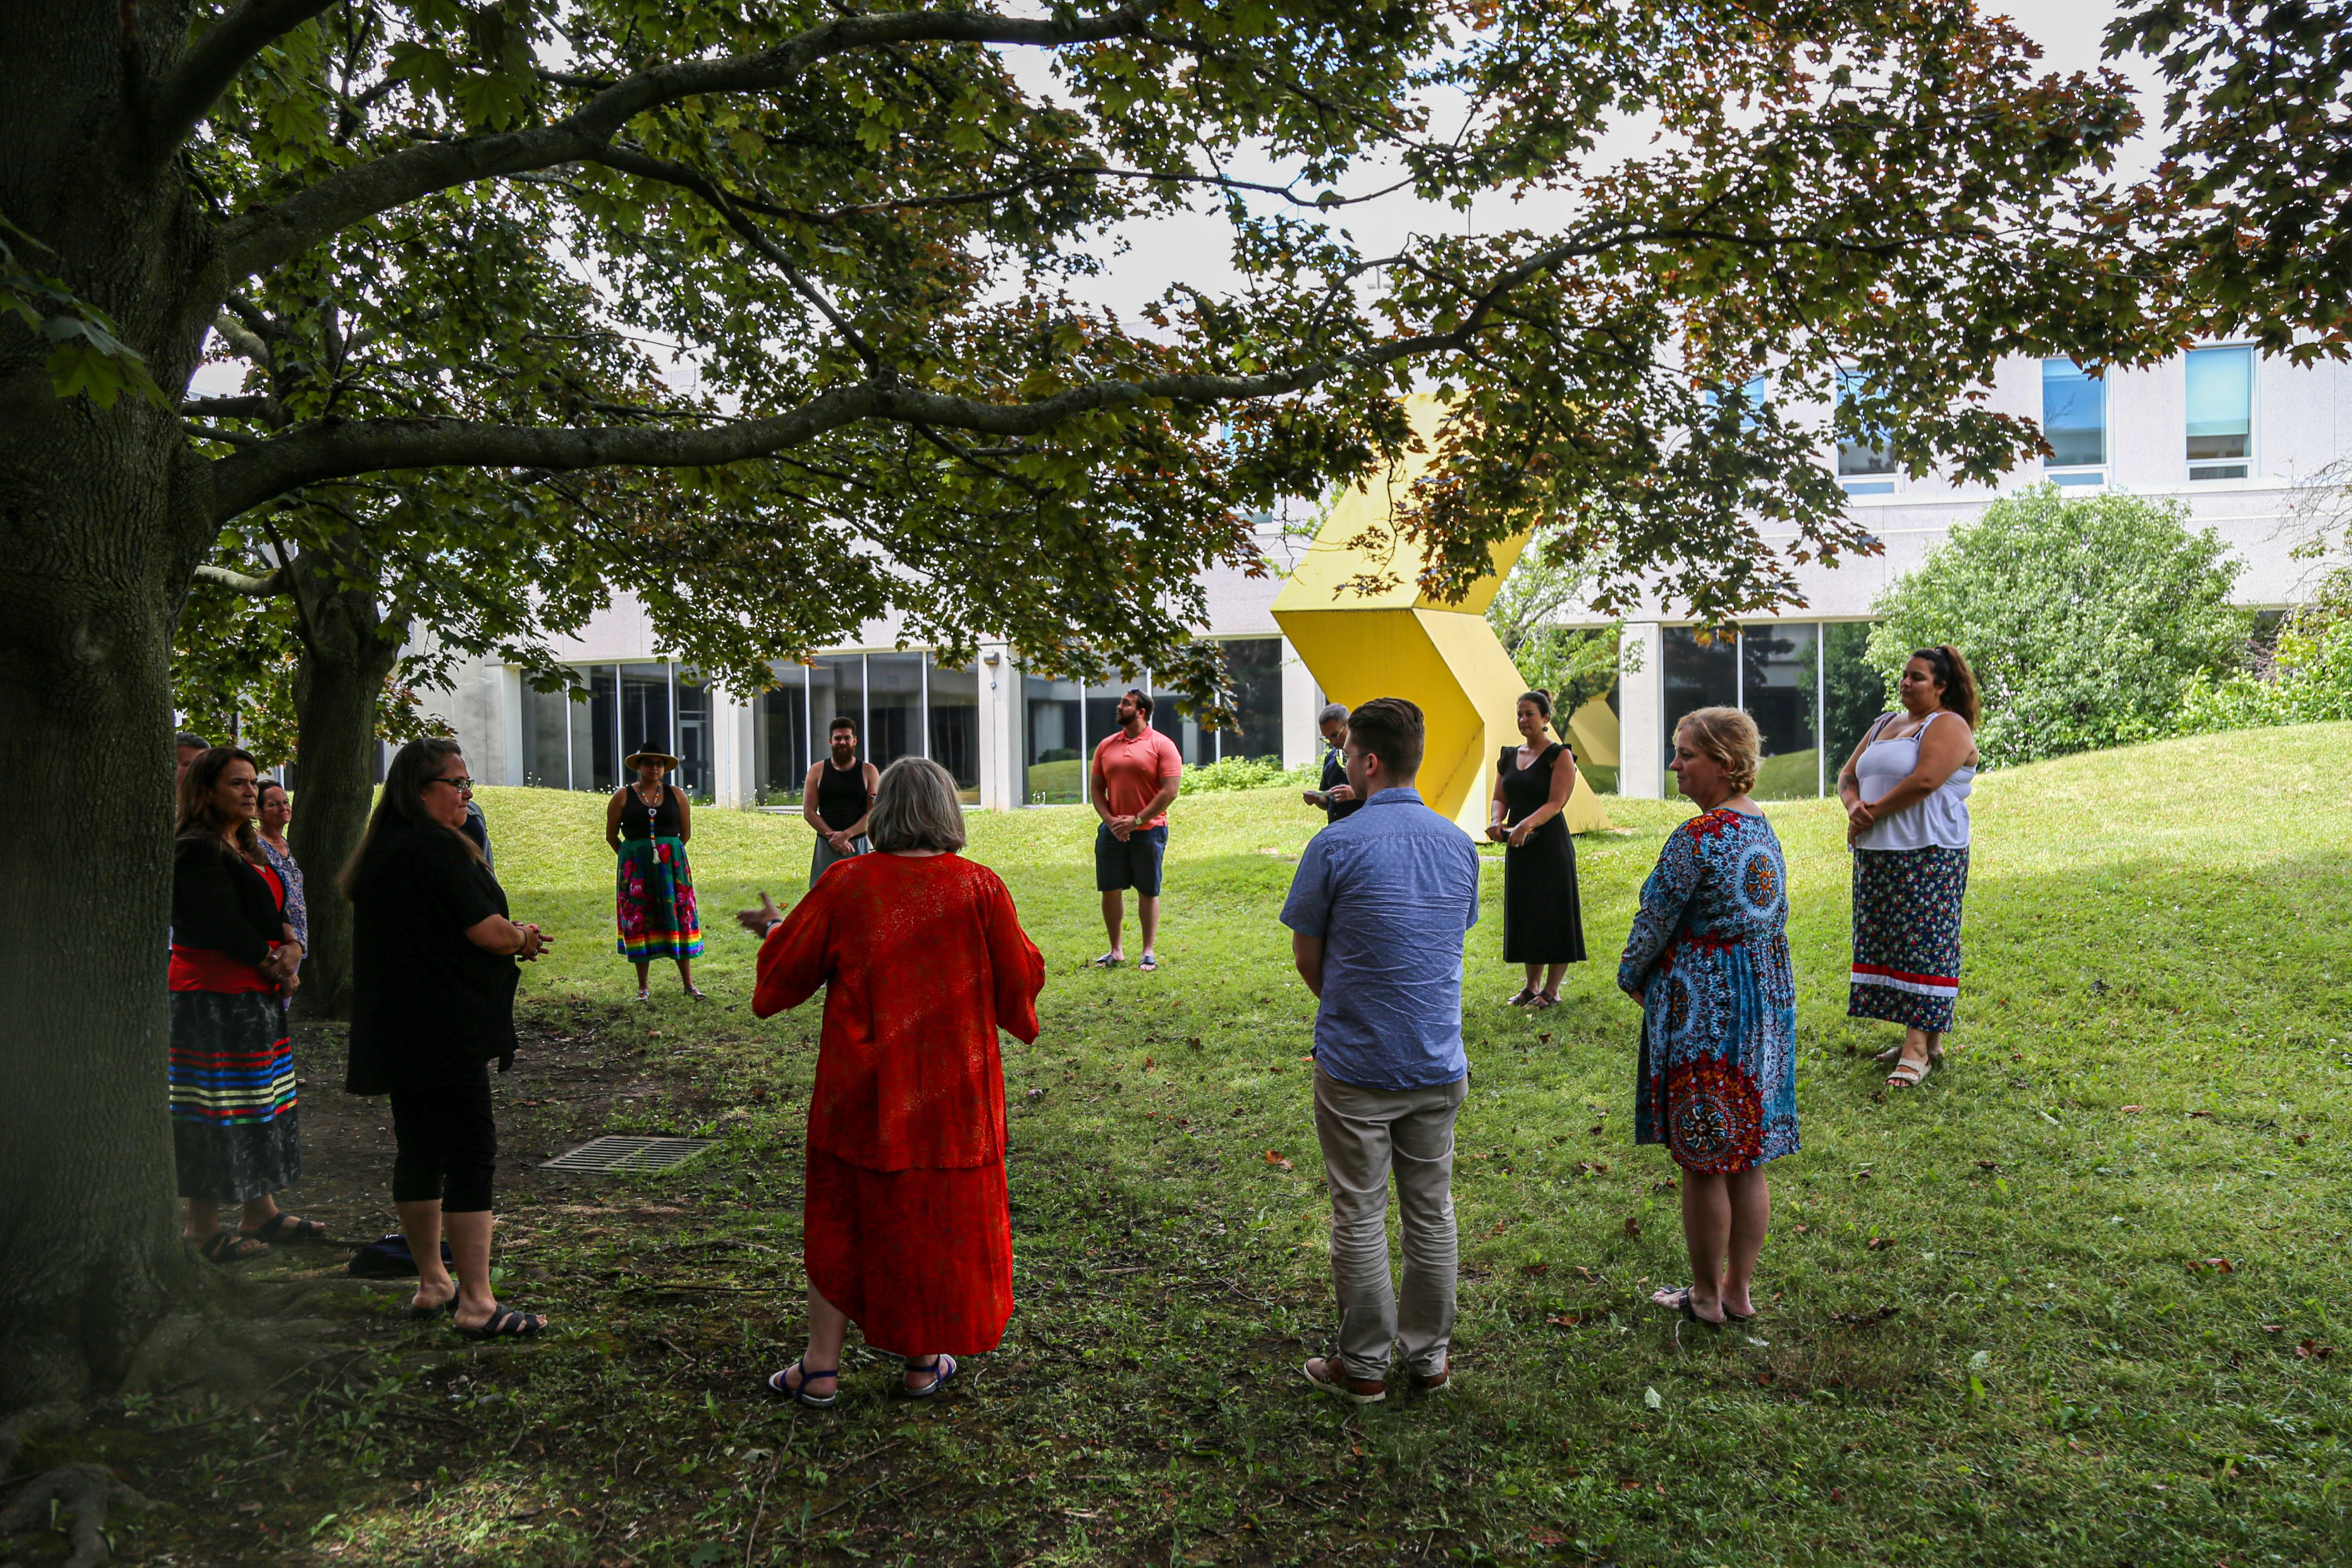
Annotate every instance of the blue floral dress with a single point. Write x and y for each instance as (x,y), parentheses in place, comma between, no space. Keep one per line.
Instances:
(1709,956)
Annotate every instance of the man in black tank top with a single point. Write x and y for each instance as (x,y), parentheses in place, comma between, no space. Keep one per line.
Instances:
(835,798)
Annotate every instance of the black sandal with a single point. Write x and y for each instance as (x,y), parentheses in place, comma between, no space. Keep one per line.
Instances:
(449,1306)
(1681,1302)
(225,1247)
(505,1325)
(284,1227)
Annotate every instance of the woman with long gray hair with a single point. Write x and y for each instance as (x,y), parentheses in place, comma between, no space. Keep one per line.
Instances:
(907,1231)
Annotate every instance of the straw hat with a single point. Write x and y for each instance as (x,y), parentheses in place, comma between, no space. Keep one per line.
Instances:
(637,758)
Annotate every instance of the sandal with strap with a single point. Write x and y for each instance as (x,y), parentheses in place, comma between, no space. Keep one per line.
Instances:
(1679,1301)
(941,1368)
(1148,964)
(1105,962)
(505,1325)
(225,1247)
(1907,1074)
(284,1227)
(1543,999)
(1526,994)
(778,1385)
(1893,1054)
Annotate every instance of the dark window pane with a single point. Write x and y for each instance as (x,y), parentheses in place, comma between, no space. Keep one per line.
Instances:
(837,691)
(694,774)
(1102,711)
(645,708)
(1696,675)
(1777,688)
(2073,415)
(1860,454)
(596,745)
(1254,667)
(1854,695)
(546,740)
(894,707)
(780,734)
(1054,721)
(955,726)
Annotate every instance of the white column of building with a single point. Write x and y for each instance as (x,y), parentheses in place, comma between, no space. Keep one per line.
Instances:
(1000,729)
(1641,717)
(731,783)
(1301,698)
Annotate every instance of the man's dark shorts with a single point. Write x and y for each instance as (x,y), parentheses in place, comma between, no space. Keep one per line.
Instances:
(1132,864)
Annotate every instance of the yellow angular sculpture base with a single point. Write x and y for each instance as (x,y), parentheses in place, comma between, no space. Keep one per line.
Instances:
(1445,657)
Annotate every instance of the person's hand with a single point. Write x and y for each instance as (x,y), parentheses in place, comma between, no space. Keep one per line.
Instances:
(534,942)
(1315,797)
(1497,832)
(1342,793)
(1120,826)
(757,921)
(1520,834)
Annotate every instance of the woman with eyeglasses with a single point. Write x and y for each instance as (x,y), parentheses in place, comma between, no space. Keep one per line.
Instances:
(433,986)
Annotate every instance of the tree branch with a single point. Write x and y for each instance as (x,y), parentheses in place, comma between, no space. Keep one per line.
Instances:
(278,584)
(261,240)
(211,66)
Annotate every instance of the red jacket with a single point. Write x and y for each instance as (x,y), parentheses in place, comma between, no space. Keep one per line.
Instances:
(923,958)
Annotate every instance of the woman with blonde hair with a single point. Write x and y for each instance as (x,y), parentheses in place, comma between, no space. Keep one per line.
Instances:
(1906,790)
(907,1228)
(1709,960)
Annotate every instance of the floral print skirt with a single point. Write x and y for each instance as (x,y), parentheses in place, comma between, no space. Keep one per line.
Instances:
(1906,935)
(653,902)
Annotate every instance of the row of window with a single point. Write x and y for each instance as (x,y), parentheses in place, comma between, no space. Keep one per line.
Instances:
(1063,720)
(629,706)
(2218,434)
(1802,682)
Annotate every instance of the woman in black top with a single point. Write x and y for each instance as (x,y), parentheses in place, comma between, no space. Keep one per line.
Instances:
(836,797)
(235,1133)
(1543,928)
(647,824)
(432,984)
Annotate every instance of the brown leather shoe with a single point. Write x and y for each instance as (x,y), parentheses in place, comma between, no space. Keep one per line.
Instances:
(1431,1382)
(1329,1375)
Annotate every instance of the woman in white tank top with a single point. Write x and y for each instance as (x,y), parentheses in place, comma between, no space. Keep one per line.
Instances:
(1906,790)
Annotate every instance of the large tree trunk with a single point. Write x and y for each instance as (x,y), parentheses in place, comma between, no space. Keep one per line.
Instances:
(103,515)
(348,651)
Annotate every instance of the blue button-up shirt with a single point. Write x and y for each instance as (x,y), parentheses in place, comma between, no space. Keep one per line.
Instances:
(1392,890)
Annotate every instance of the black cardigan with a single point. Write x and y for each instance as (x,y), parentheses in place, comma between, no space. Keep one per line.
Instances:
(220,902)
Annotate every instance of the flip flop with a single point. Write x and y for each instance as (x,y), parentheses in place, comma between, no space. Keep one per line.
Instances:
(777,1385)
(1148,964)
(505,1325)
(225,1247)
(1105,962)
(1681,1302)
(942,1368)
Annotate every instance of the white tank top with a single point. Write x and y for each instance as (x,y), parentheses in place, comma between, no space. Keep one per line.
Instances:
(1941,819)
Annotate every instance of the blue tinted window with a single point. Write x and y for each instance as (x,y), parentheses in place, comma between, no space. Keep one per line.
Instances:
(2073,415)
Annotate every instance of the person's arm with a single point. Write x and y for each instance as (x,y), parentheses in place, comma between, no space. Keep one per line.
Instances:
(685,815)
(808,802)
(1098,794)
(1859,817)
(794,955)
(1499,809)
(1942,749)
(1016,966)
(1170,786)
(206,910)
(1563,780)
(613,819)
(1663,898)
(496,933)
(1306,952)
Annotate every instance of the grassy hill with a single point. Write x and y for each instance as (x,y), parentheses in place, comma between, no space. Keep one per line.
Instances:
(1993,1336)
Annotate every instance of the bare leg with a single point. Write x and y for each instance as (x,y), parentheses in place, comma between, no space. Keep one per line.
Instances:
(204,1218)
(1706,1231)
(1114,914)
(1552,977)
(1751,1217)
(1147,915)
(469,1244)
(686,972)
(1535,978)
(420,1222)
(642,972)
(828,1326)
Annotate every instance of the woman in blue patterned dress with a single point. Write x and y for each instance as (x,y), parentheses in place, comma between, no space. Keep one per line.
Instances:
(1709,960)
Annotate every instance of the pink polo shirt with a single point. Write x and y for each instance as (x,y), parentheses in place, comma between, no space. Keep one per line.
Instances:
(1131,771)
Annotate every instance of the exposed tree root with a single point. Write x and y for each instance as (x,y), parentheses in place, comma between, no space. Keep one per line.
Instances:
(83,1493)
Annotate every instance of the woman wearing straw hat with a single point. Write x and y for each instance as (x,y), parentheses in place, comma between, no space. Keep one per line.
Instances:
(647,824)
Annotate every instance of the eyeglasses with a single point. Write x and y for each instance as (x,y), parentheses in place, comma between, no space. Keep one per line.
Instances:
(460,781)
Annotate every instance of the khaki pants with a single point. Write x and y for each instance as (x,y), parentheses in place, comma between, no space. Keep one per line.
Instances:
(1365,1133)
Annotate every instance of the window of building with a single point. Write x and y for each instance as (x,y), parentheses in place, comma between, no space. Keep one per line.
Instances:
(1254,667)
(2074,423)
(2221,412)
(1748,398)
(694,774)
(951,699)
(837,691)
(1053,720)
(1102,710)
(596,745)
(894,707)
(1776,689)
(1850,694)
(1864,467)
(779,738)
(547,739)
(1695,675)
(645,707)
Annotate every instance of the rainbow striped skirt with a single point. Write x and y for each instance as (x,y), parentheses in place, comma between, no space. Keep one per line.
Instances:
(653,902)
(234,1105)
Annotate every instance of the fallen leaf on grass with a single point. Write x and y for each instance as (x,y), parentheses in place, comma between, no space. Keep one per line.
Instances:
(1536,1270)
(1276,1161)
(1590,1276)
(1543,1039)
(1864,1319)
(2133,1109)
(1565,1320)
(1879,1243)
(1668,1186)
(1500,1226)
(1147,1064)
(2218,1265)
(2197,1113)
(2312,1350)
(1594,1130)
(1802,1228)
(1192,1041)
(1836,1496)
(1764,1380)
(1633,1226)
(2273,1328)
(2303,1137)
(1590,1167)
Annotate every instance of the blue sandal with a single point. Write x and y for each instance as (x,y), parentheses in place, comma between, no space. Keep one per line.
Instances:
(942,1368)
(776,1384)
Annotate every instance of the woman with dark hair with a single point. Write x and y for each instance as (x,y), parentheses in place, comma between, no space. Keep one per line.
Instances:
(906,1230)
(432,984)
(1543,925)
(1906,790)
(277,809)
(649,823)
(234,1127)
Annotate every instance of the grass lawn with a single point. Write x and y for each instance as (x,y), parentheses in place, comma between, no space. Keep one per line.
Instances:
(2074,1301)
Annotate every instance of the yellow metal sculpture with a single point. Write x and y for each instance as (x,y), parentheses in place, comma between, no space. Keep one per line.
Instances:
(1396,642)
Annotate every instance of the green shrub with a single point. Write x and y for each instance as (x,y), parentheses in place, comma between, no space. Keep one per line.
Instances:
(2083,618)
(2306,679)
(1247,772)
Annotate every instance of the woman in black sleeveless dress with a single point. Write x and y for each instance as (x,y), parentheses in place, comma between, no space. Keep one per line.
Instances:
(1543,926)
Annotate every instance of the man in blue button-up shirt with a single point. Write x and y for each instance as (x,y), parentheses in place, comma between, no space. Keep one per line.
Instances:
(1378,912)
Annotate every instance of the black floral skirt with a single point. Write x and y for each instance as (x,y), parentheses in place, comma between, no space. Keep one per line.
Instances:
(234,1106)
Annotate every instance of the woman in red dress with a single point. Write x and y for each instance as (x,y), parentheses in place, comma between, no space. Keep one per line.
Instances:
(923,958)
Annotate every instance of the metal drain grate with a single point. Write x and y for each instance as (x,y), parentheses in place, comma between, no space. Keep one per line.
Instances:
(617,1153)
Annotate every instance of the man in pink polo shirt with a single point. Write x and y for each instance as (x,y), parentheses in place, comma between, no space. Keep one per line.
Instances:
(1133,781)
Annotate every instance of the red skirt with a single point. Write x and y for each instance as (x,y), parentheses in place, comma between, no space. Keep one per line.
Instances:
(921,1262)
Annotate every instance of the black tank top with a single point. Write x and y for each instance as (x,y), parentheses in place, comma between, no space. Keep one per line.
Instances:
(841,794)
(1524,790)
(636,822)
